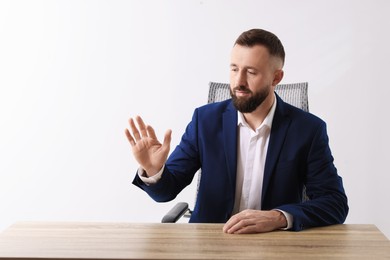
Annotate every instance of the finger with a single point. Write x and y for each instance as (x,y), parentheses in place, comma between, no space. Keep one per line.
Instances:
(167,140)
(141,126)
(237,226)
(230,223)
(151,132)
(247,230)
(134,130)
(129,137)
(238,221)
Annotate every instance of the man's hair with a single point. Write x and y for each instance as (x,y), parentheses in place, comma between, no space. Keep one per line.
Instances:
(262,37)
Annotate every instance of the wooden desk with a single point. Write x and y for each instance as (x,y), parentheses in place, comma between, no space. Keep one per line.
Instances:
(53,240)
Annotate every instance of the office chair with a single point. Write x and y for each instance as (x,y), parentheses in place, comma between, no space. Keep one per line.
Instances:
(295,94)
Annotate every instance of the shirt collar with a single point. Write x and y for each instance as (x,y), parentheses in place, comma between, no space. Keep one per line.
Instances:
(267,121)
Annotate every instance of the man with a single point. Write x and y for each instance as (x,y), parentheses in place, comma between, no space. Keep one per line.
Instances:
(256,152)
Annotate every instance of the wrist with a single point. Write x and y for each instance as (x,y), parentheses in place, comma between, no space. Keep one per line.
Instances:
(280,219)
(150,171)
(149,180)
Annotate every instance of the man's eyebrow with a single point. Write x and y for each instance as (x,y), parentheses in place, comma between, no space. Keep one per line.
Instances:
(246,67)
(251,68)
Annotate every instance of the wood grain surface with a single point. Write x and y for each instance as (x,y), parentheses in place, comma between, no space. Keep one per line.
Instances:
(62,240)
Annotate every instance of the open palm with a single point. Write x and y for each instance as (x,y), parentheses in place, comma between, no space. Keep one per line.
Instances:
(147,150)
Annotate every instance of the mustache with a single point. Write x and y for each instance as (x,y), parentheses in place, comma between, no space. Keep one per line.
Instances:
(242,88)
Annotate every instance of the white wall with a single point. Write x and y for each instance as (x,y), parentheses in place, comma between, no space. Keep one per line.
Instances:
(72,72)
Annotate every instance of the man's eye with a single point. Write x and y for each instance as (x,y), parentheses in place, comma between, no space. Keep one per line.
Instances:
(251,72)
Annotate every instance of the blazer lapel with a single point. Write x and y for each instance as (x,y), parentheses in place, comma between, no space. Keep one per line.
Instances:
(229,132)
(279,128)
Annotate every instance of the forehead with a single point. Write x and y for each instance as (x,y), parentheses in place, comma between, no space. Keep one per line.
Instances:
(255,56)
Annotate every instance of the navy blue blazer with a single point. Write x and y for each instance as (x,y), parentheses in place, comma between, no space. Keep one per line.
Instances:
(298,155)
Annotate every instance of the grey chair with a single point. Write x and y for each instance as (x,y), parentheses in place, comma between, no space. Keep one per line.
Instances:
(294,94)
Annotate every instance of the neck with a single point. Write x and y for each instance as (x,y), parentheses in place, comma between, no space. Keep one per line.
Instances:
(256,118)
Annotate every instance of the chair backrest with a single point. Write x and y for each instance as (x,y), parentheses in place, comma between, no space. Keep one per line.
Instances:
(295,93)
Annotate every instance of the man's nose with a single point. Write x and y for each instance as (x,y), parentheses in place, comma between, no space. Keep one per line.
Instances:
(240,79)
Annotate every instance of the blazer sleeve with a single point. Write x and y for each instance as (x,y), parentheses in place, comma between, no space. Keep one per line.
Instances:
(327,202)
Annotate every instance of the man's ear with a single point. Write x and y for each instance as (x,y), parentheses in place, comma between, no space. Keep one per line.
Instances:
(278,76)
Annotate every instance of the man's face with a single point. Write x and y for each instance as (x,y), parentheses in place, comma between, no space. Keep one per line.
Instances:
(252,76)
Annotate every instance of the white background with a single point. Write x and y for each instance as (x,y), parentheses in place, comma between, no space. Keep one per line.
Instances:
(73,72)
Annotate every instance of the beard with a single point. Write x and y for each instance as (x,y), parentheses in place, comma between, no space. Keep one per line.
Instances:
(248,105)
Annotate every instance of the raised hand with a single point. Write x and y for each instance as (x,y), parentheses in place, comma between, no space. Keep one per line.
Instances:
(147,150)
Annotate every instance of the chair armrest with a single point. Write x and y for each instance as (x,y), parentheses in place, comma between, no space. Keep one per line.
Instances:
(175,213)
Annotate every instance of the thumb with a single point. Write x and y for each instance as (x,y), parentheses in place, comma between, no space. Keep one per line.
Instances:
(167,140)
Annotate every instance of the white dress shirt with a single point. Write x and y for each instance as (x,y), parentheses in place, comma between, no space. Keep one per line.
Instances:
(251,155)
(252,150)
